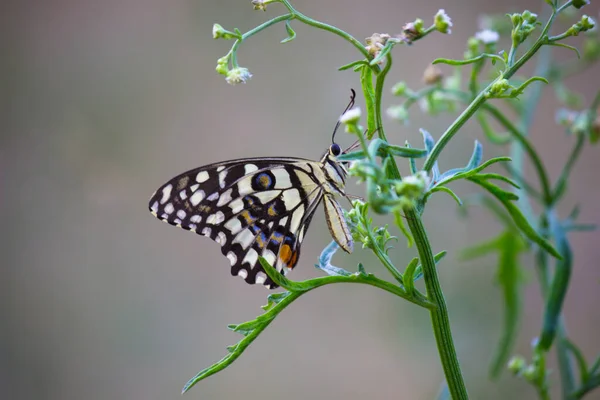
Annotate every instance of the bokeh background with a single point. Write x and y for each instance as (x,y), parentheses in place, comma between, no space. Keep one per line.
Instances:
(104,101)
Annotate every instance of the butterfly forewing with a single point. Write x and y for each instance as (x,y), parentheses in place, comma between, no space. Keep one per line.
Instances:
(251,207)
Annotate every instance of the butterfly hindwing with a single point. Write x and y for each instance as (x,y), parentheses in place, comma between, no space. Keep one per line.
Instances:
(250,207)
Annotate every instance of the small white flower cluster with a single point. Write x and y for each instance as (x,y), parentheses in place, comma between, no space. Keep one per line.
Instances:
(487,36)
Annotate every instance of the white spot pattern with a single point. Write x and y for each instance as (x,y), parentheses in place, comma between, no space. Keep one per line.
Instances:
(234,225)
(202,177)
(216,218)
(297,218)
(225,197)
(251,257)
(269,256)
(250,168)
(222,176)
(232,258)
(221,238)
(213,196)
(261,277)
(236,206)
(282,179)
(166,193)
(244,238)
(197,197)
(291,198)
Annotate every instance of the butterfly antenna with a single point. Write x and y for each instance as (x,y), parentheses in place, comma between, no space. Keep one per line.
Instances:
(349,106)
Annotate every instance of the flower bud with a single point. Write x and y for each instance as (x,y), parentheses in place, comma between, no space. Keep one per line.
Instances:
(442,22)
(351,117)
(238,75)
(432,75)
(399,88)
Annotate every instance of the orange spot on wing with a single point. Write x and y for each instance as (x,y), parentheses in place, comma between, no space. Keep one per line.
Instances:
(293,260)
(285,253)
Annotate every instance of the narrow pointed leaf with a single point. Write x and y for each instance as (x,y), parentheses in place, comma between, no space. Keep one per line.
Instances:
(506,198)
(290,32)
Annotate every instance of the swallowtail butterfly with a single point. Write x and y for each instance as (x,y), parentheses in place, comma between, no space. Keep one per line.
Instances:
(258,207)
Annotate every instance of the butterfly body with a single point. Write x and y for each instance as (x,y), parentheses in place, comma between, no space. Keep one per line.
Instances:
(257,207)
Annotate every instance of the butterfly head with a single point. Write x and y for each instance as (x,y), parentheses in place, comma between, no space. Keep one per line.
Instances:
(335,150)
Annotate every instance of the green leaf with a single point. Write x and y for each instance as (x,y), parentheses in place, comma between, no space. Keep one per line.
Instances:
(354,64)
(366,81)
(277,277)
(509,279)
(400,224)
(445,190)
(468,61)
(497,210)
(519,219)
(383,53)
(409,276)
(481,249)
(411,161)
(290,32)
(274,299)
(558,287)
(429,144)
(245,328)
(584,374)
(419,270)
(361,270)
(251,330)
(566,46)
(476,157)
(463,173)
(499,177)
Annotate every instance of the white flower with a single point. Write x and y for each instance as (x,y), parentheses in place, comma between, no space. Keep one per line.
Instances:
(351,116)
(238,75)
(442,21)
(420,179)
(487,36)
(398,113)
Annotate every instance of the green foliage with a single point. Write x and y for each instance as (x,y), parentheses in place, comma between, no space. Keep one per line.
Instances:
(404,198)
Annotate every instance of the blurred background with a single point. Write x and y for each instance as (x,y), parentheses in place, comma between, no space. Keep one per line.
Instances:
(102,102)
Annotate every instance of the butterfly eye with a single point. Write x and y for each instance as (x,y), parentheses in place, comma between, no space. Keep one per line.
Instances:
(335,150)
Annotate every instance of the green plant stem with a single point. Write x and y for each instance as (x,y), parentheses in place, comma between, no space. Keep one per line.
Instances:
(379,84)
(265,25)
(439,316)
(321,25)
(454,127)
(480,99)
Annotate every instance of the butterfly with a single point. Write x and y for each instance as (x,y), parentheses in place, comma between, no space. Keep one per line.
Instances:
(258,207)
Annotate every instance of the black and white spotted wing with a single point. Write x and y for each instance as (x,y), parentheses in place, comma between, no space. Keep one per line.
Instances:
(251,207)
